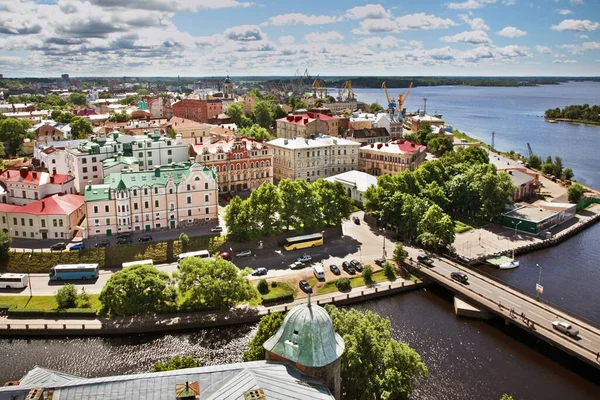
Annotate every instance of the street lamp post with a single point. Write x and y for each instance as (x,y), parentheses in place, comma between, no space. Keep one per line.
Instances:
(539,288)
(29,277)
(517,224)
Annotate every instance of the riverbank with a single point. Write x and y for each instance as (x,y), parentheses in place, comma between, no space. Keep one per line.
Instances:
(151,323)
(574,121)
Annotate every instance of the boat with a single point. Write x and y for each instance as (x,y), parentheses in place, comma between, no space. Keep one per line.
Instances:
(552,121)
(510,264)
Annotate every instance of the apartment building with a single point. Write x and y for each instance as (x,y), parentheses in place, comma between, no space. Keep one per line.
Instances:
(393,123)
(413,122)
(368,136)
(153,149)
(305,125)
(312,159)
(197,110)
(51,131)
(169,197)
(24,186)
(240,163)
(392,157)
(54,217)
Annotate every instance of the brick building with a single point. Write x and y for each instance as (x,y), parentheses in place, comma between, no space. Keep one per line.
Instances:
(305,125)
(197,110)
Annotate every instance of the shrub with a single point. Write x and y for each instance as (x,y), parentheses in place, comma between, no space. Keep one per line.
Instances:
(343,284)
(178,362)
(5,242)
(273,284)
(83,300)
(66,297)
(263,286)
(184,240)
(389,271)
(367,275)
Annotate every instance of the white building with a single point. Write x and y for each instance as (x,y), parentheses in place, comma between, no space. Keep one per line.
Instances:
(52,155)
(25,186)
(355,182)
(312,159)
(392,122)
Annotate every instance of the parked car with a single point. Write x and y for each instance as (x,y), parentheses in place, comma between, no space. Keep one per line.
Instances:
(380,262)
(357,265)
(565,328)
(244,253)
(225,255)
(459,276)
(356,220)
(217,228)
(146,238)
(77,246)
(305,286)
(123,241)
(123,235)
(58,246)
(103,243)
(425,258)
(296,265)
(259,271)
(349,268)
(304,258)
(335,269)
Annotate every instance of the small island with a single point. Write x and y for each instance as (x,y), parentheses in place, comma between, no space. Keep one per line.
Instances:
(580,114)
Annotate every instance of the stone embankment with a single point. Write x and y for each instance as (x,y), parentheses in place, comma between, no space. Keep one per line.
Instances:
(201,320)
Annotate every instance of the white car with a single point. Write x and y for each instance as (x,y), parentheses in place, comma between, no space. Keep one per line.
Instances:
(304,258)
(565,328)
(244,253)
(217,228)
(296,265)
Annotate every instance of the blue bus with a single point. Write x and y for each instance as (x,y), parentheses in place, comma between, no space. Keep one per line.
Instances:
(74,272)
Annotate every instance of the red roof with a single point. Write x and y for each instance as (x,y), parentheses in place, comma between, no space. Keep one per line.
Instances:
(304,119)
(56,204)
(41,178)
(408,147)
(227,145)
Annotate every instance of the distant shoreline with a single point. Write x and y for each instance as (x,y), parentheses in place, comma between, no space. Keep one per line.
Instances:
(574,121)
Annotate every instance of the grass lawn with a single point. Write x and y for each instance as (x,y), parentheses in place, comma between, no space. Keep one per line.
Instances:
(460,227)
(329,287)
(473,222)
(281,291)
(41,302)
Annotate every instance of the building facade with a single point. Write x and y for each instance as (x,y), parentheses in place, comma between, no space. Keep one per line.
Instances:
(413,122)
(240,163)
(356,183)
(368,136)
(311,159)
(393,123)
(170,197)
(392,157)
(305,125)
(197,110)
(25,186)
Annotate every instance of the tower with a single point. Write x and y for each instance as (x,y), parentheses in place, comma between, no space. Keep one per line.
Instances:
(227,88)
(307,341)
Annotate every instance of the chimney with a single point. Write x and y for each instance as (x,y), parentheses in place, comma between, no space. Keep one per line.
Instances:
(34,175)
(8,174)
(372,145)
(23,172)
(379,146)
(51,178)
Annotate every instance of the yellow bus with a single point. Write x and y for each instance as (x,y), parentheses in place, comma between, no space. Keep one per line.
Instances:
(302,242)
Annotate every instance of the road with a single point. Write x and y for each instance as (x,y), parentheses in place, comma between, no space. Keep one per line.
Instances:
(359,242)
(500,299)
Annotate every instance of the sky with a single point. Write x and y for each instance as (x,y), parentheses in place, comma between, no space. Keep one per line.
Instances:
(265,37)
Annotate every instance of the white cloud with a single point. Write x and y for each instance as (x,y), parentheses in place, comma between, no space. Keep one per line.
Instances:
(564,11)
(509,2)
(169,5)
(470,4)
(584,37)
(387,42)
(370,11)
(422,21)
(543,49)
(286,39)
(477,24)
(320,37)
(576,25)
(244,33)
(511,32)
(369,26)
(300,19)
(576,2)
(471,37)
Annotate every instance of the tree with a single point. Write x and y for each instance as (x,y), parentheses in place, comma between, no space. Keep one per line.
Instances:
(266,205)
(64,117)
(263,286)
(267,327)
(5,243)
(506,397)
(304,206)
(387,368)
(548,169)
(79,99)
(389,271)
(575,193)
(239,219)
(375,108)
(568,174)
(66,296)
(534,161)
(436,228)
(13,131)
(263,113)
(558,167)
(343,284)
(184,240)
(105,95)
(399,254)
(135,289)
(367,275)
(80,128)
(235,112)
(440,145)
(423,132)
(119,117)
(213,284)
(177,362)
(130,99)
(255,132)
(142,91)
(334,203)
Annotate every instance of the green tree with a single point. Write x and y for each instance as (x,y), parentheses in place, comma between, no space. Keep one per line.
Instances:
(263,286)
(343,284)
(367,275)
(119,117)
(399,254)
(105,95)
(423,132)
(558,167)
(375,108)
(506,397)
(130,99)
(64,117)
(79,99)
(5,243)
(575,193)
(568,174)
(255,132)
(80,128)
(240,220)
(334,203)
(263,113)
(548,169)
(297,104)
(236,112)
(213,284)
(388,369)
(135,289)
(83,299)
(142,91)
(436,228)
(389,271)
(534,161)
(177,362)
(13,131)
(440,145)
(66,296)
(266,205)
(184,240)
(267,327)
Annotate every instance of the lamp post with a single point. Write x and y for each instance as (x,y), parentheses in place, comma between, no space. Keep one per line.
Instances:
(29,277)
(383,234)
(539,288)
(517,224)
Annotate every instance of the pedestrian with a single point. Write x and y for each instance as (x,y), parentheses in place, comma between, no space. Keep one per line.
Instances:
(532,325)
(523,316)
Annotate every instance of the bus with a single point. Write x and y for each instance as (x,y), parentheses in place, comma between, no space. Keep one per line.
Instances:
(304,241)
(204,254)
(74,271)
(13,281)
(140,262)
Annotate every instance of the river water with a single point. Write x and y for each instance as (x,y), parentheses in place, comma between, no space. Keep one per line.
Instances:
(467,359)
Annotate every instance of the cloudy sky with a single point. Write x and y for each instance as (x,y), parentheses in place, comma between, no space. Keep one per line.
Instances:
(277,37)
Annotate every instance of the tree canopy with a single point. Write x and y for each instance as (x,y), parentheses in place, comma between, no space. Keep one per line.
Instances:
(119,117)
(576,112)
(575,193)
(13,131)
(64,117)
(267,327)
(255,132)
(235,111)
(263,113)
(375,108)
(80,128)
(79,99)
(5,243)
(177,362)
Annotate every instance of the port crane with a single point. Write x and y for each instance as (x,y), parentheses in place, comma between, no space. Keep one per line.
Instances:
(529,150)
(319,90)
(347,86)
(390,100)
(402,99)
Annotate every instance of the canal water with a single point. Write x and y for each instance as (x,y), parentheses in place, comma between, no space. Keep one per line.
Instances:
(467,359)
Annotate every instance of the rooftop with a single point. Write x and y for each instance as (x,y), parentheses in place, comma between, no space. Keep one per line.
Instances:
(57,204)
(369,133)
(534,214)
(38,178)
(361,180)
(400,146)
(519,178)
(226,145)
(304,119)
(301,143)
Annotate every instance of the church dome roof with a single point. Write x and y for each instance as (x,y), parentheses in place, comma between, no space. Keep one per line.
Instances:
(307,337)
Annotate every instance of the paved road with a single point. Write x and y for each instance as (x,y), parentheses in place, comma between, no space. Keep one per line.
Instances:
(500,299)
(358,242)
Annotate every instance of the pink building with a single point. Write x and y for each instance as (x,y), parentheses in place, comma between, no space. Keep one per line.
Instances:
(25,186)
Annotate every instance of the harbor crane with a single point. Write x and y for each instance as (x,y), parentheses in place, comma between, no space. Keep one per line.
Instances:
(347,87)
(529,150)
(390,100)
(402,99)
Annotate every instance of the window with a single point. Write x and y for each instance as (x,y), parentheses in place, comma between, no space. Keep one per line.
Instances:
(156,203)
(156,190)
(149,154)
(95,209)
(135,192)
(60,223)
(84,160)
(140,154)
(170,190)
(189,213)
(54,224)
(189,199)
(205,197)
(93,159)
(189,187)
(107,221)
(135,206)
(24,194)
(84,170)
(95,169)
(206,185)
(106,208)
(30,222)
(207,210)
(169,160)
(145,191)
(169,152)
(146,205)
(14,221)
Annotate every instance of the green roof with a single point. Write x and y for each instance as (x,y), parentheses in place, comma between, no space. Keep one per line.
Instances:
(96,192)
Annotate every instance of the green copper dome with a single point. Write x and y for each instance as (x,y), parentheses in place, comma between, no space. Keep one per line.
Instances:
(307,337)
